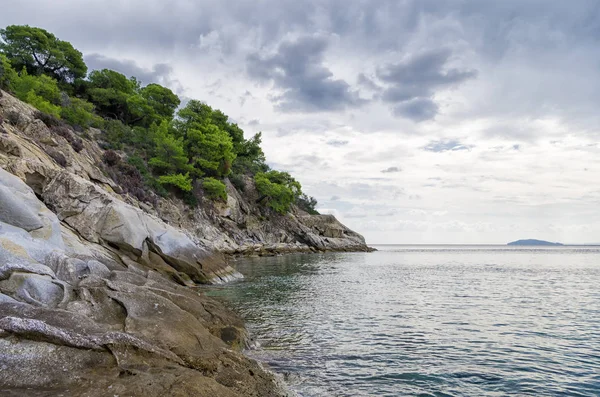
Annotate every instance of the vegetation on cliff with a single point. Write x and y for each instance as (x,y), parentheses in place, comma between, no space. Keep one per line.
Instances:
(185,150)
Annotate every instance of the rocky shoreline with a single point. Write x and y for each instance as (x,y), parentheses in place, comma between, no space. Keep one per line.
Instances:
(98,291)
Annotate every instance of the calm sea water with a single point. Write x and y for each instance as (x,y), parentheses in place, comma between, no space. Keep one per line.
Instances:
(427,320)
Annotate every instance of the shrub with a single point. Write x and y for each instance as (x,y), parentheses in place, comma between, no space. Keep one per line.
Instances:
(62,130)
(76,111)
(307,203)
(48,119)
(77,145)
(111,158)
(116,133)
(180,181)
(214,189)
(237,181)
(7,74)
(57,156)
(13,118)
(279,189)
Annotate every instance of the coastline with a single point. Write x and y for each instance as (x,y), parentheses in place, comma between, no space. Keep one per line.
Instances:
(102,293)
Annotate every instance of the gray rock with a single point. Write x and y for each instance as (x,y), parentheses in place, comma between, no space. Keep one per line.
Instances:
(34,289)
(15,211)
(36,268)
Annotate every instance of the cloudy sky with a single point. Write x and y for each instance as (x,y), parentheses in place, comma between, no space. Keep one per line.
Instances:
(426,121)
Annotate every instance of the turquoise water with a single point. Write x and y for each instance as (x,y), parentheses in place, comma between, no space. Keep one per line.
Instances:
(427,320)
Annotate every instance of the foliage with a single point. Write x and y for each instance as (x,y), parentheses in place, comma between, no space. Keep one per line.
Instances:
(209,148)
(214,189)
(42,92)
(109,91)
(161,99)
(7,73)
(116,133)
(279,189)
(250,157)
(76,111)
(181,181)
(111,158)
(169,155)
(238,182)
(307,203)
(190,149)
(40,52)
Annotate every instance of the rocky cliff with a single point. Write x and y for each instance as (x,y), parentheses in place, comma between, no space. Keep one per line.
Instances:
(98,291)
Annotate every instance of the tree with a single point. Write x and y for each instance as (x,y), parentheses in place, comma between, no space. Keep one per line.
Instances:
(214,189)
(40,52)
(250,157)
(180,181)
(210,148)
(162,100)
(41,92)
(279,189)
(7,74)
(169,156)
(307,203)
(109,91)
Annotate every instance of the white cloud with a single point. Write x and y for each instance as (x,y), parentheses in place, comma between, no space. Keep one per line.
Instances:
(497,139)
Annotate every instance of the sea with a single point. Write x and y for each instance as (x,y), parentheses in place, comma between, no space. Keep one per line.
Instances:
(426,320)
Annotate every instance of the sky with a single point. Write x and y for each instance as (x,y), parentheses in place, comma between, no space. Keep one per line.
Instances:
(426,121)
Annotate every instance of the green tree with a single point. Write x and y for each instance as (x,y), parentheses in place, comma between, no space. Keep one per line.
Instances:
(210,148)
(7,73)
(41,92)
(169,155)
(40,52)
(161,99)
(307,203)
(79,112)
(250,157)
(110,91)
(278,189)
(180,181)
(214,189)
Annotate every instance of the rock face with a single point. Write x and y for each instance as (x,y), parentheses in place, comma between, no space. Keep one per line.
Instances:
(99,292)
(78,318)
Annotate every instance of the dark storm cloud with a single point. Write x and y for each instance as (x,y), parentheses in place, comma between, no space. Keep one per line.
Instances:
(391,170)
(445,146)
(297,68)
(160,73)
(417,109)
(412,83)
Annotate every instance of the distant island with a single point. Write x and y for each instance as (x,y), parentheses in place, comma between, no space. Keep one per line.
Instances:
(533,242)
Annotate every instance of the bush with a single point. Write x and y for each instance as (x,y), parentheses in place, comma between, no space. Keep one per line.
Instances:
(7,74)
(64,131)
(238,182)
(13,118)
(76,111)
(307,203)
(48,119)
(214,189)
(180,181)
(77,145)
(116,134)
(111,158)
(57,156)
(278,188)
